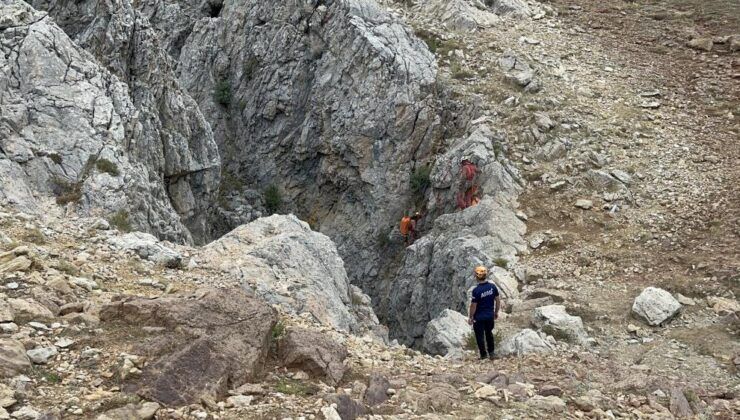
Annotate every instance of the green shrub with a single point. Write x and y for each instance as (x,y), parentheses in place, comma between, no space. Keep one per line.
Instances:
(433,43)
(120,221)
(273,199)
(66,191)
(222,92)
(293,387)
(35,236)
(501,262)
(278,330)
(420,180)
(104,165)
(470,343)
(459,73)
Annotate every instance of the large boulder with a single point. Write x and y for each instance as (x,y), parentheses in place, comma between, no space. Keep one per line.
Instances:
(313,353)
(98,142)
(655,306)
(197,346)
(446,334)
(525,342)
(284,262)
(148,247)
(555,321)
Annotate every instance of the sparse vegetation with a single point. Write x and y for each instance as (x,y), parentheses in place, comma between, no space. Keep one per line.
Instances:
(34,236)
(293,387)
(66,191)
(120,220)
(420,180)
(67,268)
(459,73)
(273,198)
(278,330)
(470,343)
(501,262)
(437,45)
(104,165)
(222,92)
(46,375)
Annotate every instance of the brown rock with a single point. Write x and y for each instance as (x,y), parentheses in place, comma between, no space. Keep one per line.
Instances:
(213,340)
(70,308)
(679,404)
(548,390)
(313,353)
(704,44)
(30,308)
(144,411)
(6,312)
(17,264)
(13,358)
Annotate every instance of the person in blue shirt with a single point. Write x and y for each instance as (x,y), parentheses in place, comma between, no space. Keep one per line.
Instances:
(484,309)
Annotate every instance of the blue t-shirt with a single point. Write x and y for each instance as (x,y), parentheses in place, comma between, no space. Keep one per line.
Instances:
(484,295)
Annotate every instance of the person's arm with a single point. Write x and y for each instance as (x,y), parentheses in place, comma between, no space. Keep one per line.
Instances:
(473,307)
(497,306)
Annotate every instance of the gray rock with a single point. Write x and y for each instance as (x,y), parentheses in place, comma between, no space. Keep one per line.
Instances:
(555,321)
(550,403)
(525,342)
(26,413)
(518,8)
(347,408)
(621,176)
(212,339)
(552,150)
(29,308)
(41,355)
(516,69)
(148,247)
(704,44)
(122,136)
(6,312)
(447,334)
(458,15)
(505,282)
(287,264)
(377,390)
(601,181)
(313,353)
(13,358)
(655,306)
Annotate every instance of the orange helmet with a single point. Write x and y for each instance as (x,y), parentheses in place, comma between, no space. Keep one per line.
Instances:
(481,271)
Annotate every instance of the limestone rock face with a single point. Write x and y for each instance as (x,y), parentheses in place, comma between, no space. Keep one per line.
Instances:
(75,131)
(655,306)
(437,269)
(206,342)
(284,262)
(459,15)
(148,247)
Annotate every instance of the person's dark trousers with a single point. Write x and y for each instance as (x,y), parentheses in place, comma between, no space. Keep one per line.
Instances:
(484,331)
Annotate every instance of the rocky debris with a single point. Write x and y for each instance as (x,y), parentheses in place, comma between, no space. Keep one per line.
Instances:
(518,8)
(555,321)
(548,390)
(6,312)
(313,353)
(148,247)
(29,308)
(211,339)
(459,15)
(26,413)
(703,44)
(655,306)
(274,255)
(505,282)
(519,306)
(92,170)
(13,358)
(519,72)
(21,263)
(723,306)
(143,411)
(525,342)
(679,405)
(446,334)
(41,355)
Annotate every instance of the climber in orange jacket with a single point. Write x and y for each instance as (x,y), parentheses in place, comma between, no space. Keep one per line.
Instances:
(408,228)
